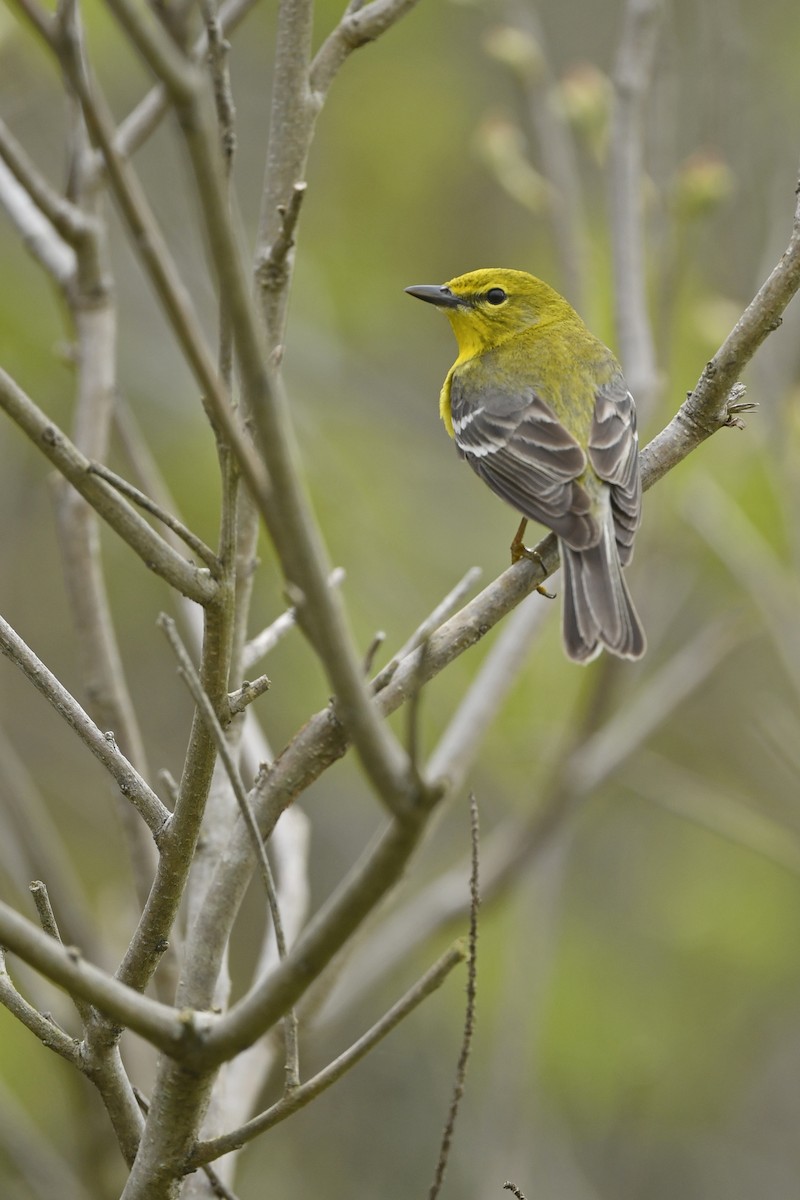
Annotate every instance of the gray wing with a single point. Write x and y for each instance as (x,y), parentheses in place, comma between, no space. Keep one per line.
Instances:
(614,454)
(522,451)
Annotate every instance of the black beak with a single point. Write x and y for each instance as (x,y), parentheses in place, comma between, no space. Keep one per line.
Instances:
(434,294)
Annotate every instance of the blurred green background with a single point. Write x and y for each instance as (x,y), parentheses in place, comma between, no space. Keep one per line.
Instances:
(639,991)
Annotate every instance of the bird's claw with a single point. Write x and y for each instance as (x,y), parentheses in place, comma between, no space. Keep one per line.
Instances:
(520,550)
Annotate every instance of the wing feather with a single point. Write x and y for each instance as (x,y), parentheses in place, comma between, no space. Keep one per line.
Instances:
(614,454)
(517,445)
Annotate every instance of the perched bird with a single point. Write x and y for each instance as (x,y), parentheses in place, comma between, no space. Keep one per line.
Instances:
(538,407)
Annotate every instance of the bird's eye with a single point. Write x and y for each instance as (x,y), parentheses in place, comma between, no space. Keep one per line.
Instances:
(496,296)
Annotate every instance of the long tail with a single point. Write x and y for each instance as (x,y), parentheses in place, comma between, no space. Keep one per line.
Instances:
(598,610)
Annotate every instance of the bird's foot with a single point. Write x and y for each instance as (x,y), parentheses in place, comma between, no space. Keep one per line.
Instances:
(520,550)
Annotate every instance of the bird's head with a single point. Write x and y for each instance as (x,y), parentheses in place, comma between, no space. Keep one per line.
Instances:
(489,306)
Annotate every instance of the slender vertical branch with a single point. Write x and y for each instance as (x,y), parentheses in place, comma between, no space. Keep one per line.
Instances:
(469,1015)
(293,112)
(632,76)
(206,709)
(287,1105)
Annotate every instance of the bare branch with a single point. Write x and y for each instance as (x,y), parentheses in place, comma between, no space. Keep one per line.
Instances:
(174,1032)
(38,235)
(440,613)
(154,252)
(40,1026)
(583,768)
(66,218)
(149,112)
(469,1015)
(259,646)
(632,75)
(272,267)
(357,27)
(368,881)
(49,924)
(158,555)
(282,501)
(39,848)
(217,59)
(292,118)
(102,745)
(201,699)
(707,409)
(430,981)
(247,693)
(203,552)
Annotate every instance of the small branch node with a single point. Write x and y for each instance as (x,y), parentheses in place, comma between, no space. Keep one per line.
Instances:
(44,909)
(246,694)
(273,265)
(372,650)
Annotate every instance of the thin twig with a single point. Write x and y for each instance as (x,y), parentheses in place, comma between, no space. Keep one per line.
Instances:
(413,746)
(512,1187)
(272,266)
(142,121)
(707,408)
(308,1091)
(282,501)
(151,246)
(39,846)
(217,59)
(158,1023)
(583,768)
(469,1015)
(37,234)
(247,693)
(195,583)
(47,920)
(357,28)
(172,523)
(67,219)
(379,637)
(440,613)
(265,641)
(48,1033)
(461,742)
(102,745)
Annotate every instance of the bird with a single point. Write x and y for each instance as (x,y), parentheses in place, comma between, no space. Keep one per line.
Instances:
(539,408)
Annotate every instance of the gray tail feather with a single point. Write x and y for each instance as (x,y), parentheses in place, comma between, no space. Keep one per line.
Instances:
(598,610)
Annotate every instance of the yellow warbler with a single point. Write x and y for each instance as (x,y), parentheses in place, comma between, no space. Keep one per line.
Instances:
(538,407)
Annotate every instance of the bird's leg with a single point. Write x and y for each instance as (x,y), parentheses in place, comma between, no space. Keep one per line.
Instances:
(520,550)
